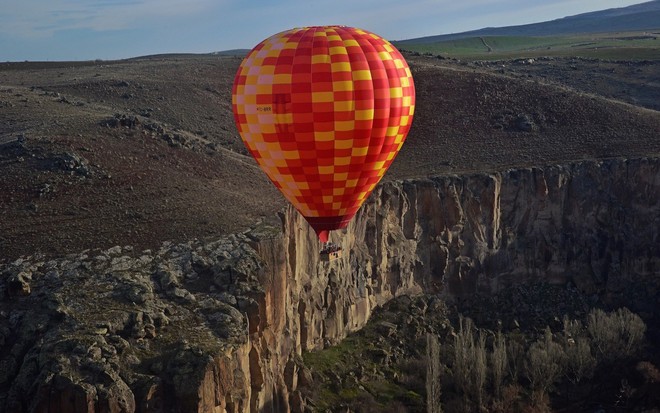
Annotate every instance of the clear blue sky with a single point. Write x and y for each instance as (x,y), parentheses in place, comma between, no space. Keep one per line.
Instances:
(113,29)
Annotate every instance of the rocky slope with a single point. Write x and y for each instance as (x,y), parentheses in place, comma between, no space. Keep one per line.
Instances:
(218,326)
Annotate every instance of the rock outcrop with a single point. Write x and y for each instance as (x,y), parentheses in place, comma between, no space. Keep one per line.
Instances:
(219,326)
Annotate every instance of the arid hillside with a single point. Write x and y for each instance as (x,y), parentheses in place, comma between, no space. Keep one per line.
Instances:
(144,151)
(514,174)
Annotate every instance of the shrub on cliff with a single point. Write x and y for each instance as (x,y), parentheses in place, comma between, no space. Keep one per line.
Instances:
(579,362)
(469,365)
(544,363)
(615,335)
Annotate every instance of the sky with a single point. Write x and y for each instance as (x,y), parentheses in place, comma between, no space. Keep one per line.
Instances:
(56,30)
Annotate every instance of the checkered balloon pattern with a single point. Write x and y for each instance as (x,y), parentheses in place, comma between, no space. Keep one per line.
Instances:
(324,110)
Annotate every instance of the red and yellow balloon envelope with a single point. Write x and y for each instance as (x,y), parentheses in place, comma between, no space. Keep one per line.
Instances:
(324,111)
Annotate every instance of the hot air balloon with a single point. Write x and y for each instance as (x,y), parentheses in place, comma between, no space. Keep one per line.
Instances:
(324,110)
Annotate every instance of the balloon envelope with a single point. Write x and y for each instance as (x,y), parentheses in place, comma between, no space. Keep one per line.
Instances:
(324,110)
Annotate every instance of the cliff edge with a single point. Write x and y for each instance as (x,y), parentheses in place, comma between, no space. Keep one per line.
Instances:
(219,325)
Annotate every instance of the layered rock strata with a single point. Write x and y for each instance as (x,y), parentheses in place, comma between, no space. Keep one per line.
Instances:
(219,326)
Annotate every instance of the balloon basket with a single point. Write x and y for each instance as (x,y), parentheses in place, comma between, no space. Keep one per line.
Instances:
(330,253)
(330,256)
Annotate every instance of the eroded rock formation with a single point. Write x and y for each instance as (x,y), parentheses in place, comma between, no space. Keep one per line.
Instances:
(219,326)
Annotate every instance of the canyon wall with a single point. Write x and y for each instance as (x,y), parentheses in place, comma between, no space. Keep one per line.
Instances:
(592,225)
(220,326)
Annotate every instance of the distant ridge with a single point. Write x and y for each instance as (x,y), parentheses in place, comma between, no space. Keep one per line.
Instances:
(232,52)
(643,16)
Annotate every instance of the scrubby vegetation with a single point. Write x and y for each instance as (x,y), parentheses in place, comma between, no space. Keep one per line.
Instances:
(536,371)
(423,362)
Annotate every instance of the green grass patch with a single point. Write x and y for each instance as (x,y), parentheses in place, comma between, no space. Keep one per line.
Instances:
(619,46)
(337,358)
(358,351)
(385,391)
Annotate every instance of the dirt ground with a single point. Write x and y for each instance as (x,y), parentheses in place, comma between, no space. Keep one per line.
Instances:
(143,151)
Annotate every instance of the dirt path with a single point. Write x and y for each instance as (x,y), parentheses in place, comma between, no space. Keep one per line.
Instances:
(488,48)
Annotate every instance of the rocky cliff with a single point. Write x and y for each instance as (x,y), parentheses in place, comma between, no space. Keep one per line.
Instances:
(214,326)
